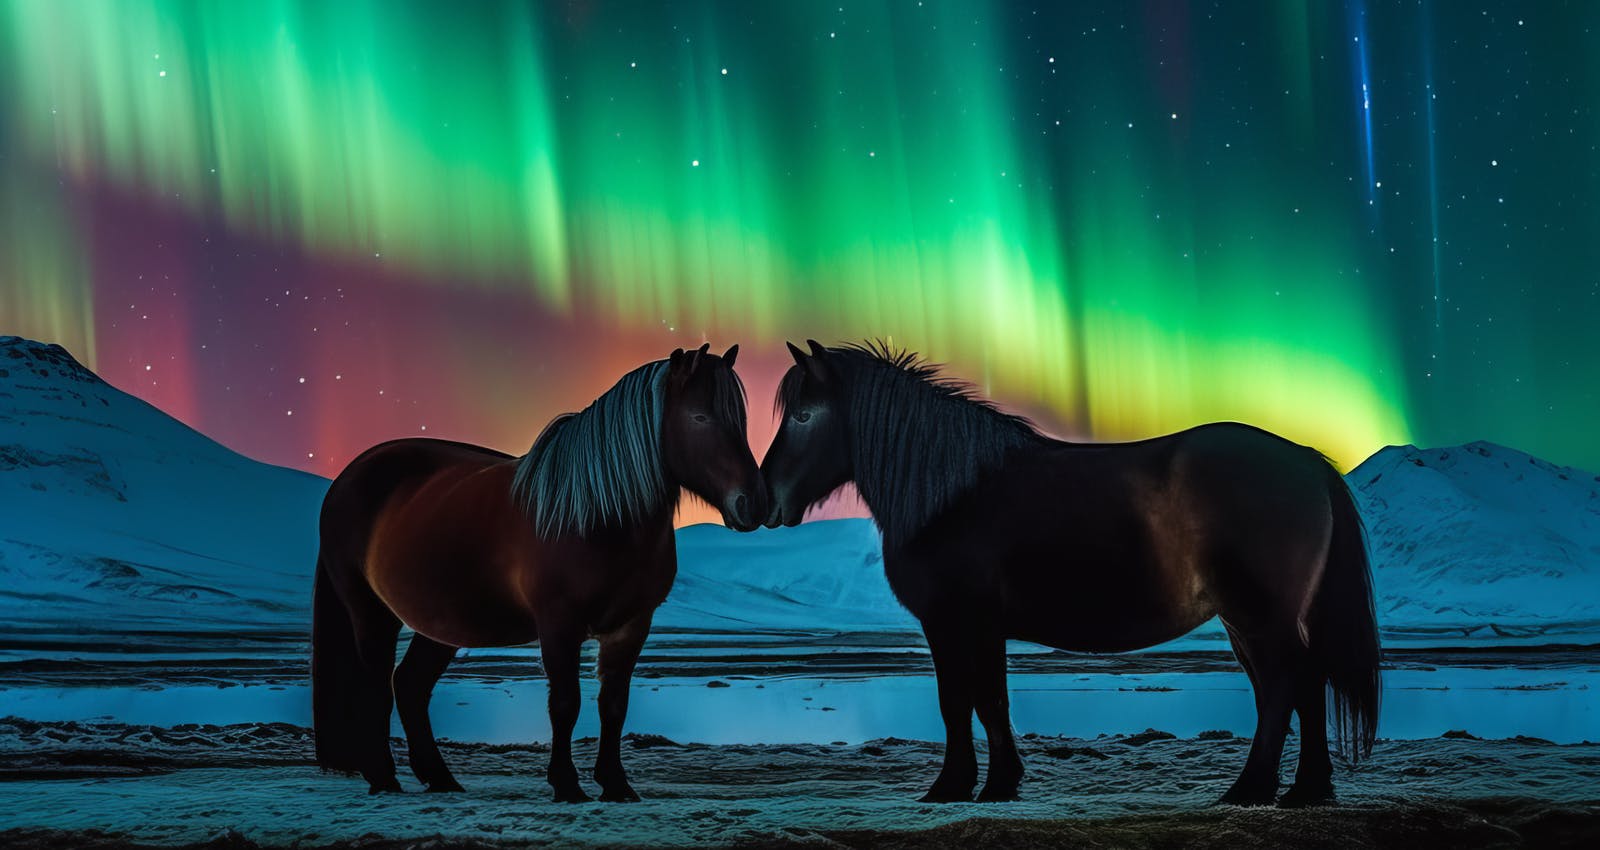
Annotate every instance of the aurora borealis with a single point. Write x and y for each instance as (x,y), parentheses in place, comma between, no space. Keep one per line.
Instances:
(306,227)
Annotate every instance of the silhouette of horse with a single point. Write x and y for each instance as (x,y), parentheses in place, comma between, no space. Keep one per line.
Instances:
(471,547)
(993,531)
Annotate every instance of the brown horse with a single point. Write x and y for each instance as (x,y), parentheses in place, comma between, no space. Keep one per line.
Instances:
(992,531)
(471,547)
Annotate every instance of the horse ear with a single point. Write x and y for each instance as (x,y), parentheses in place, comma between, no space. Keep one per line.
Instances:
(729,355)
(816,366)
(704,347)
(677,355)
(799,356)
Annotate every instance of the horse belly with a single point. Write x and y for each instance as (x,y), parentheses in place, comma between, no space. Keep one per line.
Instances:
(1101,606)
(1091,628)
(453,603)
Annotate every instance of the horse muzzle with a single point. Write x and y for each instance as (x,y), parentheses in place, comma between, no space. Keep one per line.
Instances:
(777,515)
(743,510)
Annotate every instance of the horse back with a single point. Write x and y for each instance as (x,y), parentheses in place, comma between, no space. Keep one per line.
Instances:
(383,473)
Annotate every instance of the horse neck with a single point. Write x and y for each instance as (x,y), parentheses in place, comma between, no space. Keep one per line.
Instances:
(937,453)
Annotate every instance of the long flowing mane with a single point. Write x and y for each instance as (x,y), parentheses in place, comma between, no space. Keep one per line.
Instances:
(601,465)
(918,439)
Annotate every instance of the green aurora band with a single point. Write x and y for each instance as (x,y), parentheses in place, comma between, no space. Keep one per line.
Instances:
(881,173)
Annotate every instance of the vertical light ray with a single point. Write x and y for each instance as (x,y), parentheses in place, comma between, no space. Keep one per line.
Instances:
(1363,68)
(1430,96)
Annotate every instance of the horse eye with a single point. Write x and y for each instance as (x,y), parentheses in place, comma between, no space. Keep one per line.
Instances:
(702,418)
(803,416)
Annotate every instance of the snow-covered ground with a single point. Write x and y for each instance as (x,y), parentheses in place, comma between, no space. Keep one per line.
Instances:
(253,781)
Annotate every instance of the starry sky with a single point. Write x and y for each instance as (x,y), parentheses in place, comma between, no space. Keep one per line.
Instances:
(307,227)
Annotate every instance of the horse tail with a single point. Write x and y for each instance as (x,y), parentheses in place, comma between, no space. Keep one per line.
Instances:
(1344,635)
(335,670)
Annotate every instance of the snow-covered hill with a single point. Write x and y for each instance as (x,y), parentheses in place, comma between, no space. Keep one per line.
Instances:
(1484,542)
(114,518)
(824,576)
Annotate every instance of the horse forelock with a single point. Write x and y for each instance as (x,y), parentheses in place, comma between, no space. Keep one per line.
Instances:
(728,399)
(601,465)
(918,438)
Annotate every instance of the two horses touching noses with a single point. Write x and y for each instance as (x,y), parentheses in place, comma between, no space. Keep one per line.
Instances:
(991,532)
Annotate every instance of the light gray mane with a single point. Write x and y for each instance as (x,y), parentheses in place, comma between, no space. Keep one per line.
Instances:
(600,466)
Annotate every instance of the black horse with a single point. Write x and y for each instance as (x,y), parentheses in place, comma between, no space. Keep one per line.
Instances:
(471,547)
(993,531)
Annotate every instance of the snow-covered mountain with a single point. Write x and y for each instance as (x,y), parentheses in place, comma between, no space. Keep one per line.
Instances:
(1484,542)
(115,517)
(823,576)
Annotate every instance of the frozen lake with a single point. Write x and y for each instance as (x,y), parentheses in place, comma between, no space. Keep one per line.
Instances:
(775,694)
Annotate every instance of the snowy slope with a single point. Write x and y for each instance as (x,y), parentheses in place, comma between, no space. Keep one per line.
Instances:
(824,576)
(1484,542)
(117,516)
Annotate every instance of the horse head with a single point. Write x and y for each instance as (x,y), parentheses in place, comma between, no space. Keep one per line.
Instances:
(810,457)
(704,445)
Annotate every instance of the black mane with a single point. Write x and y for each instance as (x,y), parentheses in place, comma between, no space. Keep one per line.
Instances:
(918,439)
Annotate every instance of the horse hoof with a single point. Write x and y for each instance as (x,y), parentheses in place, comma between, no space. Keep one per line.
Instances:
(941,795)
(572,795)
(1301,796)
(1238,797)
(997,795)
(445,786)
(620,795)
(385,786)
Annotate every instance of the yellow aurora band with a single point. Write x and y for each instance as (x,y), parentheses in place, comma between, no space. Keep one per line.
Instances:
(875,173)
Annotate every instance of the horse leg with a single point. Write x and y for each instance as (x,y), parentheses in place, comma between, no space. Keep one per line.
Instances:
(994,712)
(1313,777)
(1273,678)
(953,666)
(558,649)
(619,652)
(423,664)
(377,631)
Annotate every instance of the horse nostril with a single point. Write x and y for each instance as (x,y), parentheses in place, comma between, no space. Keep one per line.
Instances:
(741,506)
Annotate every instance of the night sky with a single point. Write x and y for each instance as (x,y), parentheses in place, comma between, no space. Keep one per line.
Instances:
(304,228)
